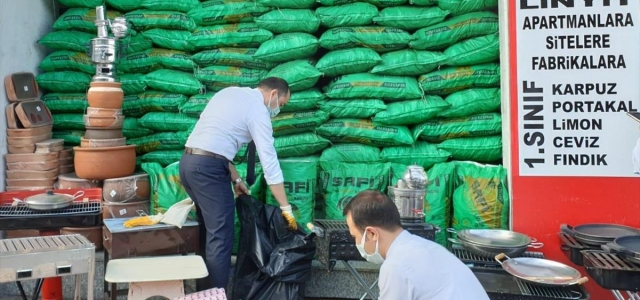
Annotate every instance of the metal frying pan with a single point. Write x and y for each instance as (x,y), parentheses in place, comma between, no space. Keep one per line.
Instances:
(48,201)
(628,247)
(541,271)
(598,234)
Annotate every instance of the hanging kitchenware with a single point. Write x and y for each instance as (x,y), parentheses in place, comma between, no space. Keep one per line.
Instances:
(541,271)
(490,242)
(48,201)
(598,234)
(627,247)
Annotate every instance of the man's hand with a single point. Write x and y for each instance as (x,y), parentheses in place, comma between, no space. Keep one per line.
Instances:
(240,189)
(287,214)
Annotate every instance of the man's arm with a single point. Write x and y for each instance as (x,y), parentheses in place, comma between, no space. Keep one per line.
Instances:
(234,172)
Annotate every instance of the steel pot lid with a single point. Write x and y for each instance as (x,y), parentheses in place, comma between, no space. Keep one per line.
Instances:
(494,237)
(48,198)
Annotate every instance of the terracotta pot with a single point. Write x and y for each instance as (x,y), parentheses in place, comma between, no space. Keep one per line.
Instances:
(103,122)
(100,143)
(102,133)
(104,163)
(105,95)
(93,234)
(103,112)
(71,181)
(127,189)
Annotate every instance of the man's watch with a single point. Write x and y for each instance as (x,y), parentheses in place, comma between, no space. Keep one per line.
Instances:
(238,180)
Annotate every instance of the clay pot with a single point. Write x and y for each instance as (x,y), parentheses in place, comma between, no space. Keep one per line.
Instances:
(113,122)
(101,143)
(127,189)
(93,133)
(103,112)
(105,95)
(93,234)
(104,163)
(71,181)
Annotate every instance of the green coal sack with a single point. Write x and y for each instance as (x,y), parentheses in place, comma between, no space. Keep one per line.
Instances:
(68,122)
(64,82)
(478,50)
(454,30)
(379,38)
(481,199)
(60,103)
(152,101)
(387,3)
(216,78)
(194,106)
(289,21)
(421,153)
(166,189)
(233,57)
(216,13)
(355,108)
(423,2)
(242,35)
(411,112)
(81,19)
(299,144)
(169,39)
(134,42)
(459,7)
(81,3)
(296,122)
(167,121)
(159,141)
(410,18)
(364,85)
(170,5)
(348,61)
(441,129)
(163,158)
(173,81)
(154,59)
(336,2)
(365,132)
(300,180)
(64,60)
(70,137)
(342,181)
(351,153)
(77,41)
(480,149)
(299,74)
(409,62)
(143,19)
(448,80)
(304,100)
(287,47)
(347,15)
(437,205)
(131,130)
(125,5)
(287,3)
(471,102)
(133,83)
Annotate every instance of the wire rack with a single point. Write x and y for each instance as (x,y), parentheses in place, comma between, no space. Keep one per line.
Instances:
(467,256)
(91,207)
(547,292)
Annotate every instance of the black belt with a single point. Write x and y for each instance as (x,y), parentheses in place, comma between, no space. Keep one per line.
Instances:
(196,151)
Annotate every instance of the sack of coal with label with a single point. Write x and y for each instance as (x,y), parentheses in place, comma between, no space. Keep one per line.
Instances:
(342,181)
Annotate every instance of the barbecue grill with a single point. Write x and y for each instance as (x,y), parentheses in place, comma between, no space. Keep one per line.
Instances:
(48,256)
(76,215)
(612,272)
(502,286)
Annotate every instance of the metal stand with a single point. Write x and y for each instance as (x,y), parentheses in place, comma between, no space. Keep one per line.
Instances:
(367,289)
(619,296)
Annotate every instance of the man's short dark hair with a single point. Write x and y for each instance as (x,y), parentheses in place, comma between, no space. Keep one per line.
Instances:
(373,208)
(275,83)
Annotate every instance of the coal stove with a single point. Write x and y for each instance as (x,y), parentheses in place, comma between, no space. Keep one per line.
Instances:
(500,285)
(572,248)
(79,214)
(611,272)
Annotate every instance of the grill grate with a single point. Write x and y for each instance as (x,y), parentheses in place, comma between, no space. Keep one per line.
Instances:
(609,261)
(467,256)
(547,292)
(8,210)
(43,243)
(333,224)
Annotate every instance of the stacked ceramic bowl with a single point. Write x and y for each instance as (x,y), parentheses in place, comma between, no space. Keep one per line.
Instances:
(103,153)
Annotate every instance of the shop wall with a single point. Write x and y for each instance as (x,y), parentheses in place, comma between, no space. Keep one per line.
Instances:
(22,23)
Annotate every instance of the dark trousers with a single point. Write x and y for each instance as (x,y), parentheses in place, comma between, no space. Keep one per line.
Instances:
(207,180)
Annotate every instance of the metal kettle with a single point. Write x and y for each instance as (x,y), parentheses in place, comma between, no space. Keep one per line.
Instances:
(415,177)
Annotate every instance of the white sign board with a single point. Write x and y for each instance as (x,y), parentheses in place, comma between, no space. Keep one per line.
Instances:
(578,73)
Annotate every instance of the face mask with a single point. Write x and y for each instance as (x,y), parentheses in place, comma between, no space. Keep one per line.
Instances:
(375,258)
(274,111)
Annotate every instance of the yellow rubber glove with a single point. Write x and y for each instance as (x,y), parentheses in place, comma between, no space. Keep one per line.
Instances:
(287,214)
(143,221)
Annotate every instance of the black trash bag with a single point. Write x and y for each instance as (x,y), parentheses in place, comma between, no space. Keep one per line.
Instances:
(273,262)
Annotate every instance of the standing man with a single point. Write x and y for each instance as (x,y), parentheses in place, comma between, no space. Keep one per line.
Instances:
(412,268)
(234,116)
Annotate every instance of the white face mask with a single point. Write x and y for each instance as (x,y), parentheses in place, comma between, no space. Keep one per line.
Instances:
(375,258)
(273,112)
